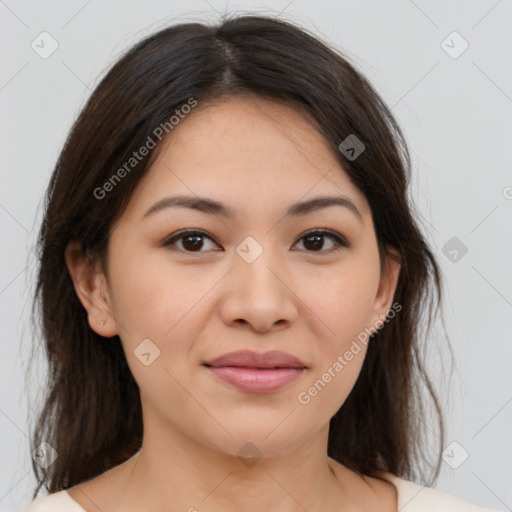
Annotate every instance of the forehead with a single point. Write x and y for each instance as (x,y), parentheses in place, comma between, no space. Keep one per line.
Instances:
(248,152)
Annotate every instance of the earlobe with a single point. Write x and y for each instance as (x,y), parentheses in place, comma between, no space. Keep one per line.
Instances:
(91,289)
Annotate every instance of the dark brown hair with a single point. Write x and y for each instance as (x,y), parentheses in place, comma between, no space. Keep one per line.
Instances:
(91,414)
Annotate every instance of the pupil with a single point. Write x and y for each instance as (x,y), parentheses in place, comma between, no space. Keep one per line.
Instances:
(193,245)
(317,238)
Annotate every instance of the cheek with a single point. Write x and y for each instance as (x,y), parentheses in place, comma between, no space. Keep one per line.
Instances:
(345,306)
(152,303)
(167,306)
(342,308)
(344,303)
(150,299)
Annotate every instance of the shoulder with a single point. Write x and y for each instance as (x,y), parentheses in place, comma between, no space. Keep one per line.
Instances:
(413,497)
(59,501)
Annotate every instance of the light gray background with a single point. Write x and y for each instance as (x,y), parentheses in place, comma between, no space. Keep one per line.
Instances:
(456,114)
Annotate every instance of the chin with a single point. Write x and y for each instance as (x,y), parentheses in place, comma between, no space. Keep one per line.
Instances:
(259,441)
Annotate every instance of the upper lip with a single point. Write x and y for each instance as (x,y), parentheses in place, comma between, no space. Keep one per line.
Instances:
(250,359)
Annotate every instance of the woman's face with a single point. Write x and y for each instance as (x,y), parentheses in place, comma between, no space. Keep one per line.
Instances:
(257,280)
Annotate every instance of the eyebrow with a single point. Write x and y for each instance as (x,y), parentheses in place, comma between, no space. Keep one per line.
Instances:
(212,207)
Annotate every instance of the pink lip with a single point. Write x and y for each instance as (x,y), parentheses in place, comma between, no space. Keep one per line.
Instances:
(257,372)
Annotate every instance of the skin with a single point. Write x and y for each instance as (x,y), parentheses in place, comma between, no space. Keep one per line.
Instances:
(258,157)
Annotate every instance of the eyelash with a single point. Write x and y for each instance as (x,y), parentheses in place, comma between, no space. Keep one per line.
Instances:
(339,240)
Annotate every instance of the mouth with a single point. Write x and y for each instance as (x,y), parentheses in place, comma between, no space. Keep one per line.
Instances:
(257,372)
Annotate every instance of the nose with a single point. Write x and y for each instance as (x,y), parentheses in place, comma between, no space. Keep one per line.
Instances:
(259,295)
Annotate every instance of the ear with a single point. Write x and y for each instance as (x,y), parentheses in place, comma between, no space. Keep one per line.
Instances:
(92,289)
(387,286)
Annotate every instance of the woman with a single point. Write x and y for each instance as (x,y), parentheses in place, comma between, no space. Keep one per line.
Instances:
(231,284)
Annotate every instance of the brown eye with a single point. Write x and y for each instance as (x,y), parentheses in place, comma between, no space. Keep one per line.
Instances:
(314,241)
(191,241)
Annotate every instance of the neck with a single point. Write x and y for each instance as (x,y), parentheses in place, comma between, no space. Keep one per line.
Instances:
(174,472)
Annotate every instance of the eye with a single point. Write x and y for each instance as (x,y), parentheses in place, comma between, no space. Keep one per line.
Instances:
(314,241)
(193,241)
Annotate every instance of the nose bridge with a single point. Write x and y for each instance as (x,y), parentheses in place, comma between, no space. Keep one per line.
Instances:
(259,264)
(258,293)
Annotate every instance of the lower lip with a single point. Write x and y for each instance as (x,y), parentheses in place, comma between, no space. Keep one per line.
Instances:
(256,380)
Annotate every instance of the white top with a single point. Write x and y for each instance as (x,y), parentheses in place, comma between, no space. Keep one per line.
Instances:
(412,497)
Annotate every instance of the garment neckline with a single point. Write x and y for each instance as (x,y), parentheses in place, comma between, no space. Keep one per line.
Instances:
(75,503)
